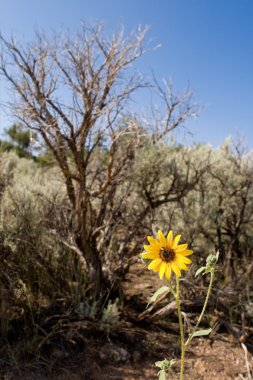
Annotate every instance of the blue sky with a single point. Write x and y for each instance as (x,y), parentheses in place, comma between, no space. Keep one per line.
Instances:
(205,43)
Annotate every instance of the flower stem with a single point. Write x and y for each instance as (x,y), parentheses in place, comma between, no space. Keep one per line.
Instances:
(203,310)
(181,330)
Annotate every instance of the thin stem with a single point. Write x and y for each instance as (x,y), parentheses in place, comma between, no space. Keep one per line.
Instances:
(181,330)
(172,290)
(203,310)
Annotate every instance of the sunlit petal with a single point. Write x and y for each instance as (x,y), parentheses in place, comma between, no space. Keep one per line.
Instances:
(162,269)
(181,264)
(175,269)
(154,264)
(184,259)
(151,248)
(168,272)
(157,268)
(181,247)
(170,239)
(149,255)
(187,252)
(154,242)
(162,238)
(175,241)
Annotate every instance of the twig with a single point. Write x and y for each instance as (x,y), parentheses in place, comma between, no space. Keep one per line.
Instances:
(246,360)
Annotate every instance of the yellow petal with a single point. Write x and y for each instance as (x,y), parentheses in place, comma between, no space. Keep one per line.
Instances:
(154,242)
(162,269)
(187,252)
(170,239)
(154,264)
(175,241)
(151,248)
(182,265)
(183,259)
(157,268)
(162,239)
(149,255)
(181,247)
(168,272)
(175,269)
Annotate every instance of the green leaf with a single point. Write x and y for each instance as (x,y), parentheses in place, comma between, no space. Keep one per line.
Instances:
(201,332)
(210,264)
(158,294)
(165,364)
(159,364)
(200,270)
(162,375)
(208,269)
(211,260)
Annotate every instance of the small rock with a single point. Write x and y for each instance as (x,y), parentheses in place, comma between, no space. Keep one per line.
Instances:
(113,353)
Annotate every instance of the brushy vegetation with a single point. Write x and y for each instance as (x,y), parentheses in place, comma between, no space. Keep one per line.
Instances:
(41,273)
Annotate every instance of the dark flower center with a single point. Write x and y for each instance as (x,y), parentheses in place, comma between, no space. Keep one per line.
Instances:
(167,255)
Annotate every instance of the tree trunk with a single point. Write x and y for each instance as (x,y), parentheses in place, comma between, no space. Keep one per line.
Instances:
(91,255)
(100,285)
(230,271)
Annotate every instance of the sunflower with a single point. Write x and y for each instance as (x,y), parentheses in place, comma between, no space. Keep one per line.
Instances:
(167,255)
